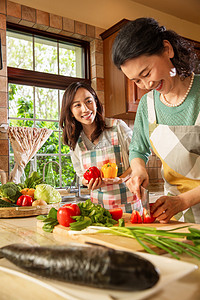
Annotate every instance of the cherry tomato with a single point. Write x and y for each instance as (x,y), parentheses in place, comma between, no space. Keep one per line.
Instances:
(64,215)
(24,200)
(116,213)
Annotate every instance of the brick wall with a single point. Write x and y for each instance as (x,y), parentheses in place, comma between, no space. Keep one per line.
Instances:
(26,16)
(3,90)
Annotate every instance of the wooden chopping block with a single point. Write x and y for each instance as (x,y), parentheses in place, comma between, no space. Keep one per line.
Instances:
(62,235)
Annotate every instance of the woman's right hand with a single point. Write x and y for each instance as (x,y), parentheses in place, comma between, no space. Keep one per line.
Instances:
(139,176)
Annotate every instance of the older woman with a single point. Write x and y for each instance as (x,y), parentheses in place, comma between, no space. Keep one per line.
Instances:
(168,116)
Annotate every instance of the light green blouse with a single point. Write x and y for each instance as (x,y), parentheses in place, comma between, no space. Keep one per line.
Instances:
(185,114)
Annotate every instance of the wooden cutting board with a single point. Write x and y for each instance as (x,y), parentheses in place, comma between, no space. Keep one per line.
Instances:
(26,211)
(62,234)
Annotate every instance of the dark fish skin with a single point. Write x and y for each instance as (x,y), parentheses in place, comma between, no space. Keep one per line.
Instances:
(94,266)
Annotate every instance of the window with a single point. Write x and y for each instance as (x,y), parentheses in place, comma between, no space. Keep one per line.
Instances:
(40,67)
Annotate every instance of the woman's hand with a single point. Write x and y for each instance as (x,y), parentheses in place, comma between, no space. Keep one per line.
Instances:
(93,184)
(139,176)
(166,207)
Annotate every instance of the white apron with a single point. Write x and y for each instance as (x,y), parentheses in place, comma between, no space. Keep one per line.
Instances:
(110,196)
(178,148)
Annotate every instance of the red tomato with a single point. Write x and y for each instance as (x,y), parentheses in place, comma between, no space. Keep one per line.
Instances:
(92,172)
(136,217)
(75,208)
(116,213)
(25,200)
(64,215)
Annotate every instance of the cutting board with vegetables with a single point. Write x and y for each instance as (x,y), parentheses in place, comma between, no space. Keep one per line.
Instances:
(63,234)
(26,211)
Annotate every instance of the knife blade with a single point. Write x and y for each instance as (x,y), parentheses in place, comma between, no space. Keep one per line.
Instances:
(145,199)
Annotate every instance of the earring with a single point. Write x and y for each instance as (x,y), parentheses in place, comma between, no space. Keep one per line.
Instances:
(172,72)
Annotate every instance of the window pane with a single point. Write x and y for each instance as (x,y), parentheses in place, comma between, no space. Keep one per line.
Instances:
(46,59)
(21,123)
(19,50)
(49,125)
(51,145)
(64,148)
(70,60)
(68,172)
(46,102)
(20,101)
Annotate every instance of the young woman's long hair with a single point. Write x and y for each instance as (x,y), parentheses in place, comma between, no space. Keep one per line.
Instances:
(70,126)
(144,36)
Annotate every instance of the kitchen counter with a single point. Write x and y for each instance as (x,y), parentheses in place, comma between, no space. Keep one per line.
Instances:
(24,230)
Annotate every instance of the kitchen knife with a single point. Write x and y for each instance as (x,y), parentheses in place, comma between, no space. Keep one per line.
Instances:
(144,195)
(145,199)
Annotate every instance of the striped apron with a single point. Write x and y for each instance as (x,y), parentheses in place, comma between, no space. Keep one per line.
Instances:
(178,148)
(110,196)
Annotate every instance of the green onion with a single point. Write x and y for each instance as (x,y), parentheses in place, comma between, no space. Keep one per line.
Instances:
(166,240)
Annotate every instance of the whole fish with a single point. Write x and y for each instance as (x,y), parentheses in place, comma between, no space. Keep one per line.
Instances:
(94,266)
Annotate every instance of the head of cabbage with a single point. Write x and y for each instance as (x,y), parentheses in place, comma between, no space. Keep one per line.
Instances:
(47,193)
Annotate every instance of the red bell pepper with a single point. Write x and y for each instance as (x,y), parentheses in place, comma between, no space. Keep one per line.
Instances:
(146,217)
(92,172)
(25,200)
(136,217)
(116,213)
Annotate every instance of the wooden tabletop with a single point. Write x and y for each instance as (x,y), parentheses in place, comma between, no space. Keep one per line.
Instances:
(25,230)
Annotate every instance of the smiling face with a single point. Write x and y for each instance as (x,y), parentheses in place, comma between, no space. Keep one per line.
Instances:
(84,108)
(152,72)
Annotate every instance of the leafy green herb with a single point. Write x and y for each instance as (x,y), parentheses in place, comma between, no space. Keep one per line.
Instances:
(92,214)
(50,220)
(33,180)
(166,240)
(81,223)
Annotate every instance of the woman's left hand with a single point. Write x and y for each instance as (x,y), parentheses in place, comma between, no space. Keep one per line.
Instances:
(166,207)
(94,184)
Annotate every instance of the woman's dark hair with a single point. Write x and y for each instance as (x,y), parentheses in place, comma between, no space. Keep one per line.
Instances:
(71,127)
(144,36)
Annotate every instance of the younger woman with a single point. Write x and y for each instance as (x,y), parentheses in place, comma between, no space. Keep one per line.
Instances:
(95,141)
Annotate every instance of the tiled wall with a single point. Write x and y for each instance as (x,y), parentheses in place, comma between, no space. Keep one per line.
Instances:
(26,16)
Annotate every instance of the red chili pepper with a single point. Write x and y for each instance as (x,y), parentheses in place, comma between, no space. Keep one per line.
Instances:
(25,200)
(92,172)
(136,217)
(116,213)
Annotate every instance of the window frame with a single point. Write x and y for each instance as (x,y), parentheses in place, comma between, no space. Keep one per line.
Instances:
(48,80)
(40,79)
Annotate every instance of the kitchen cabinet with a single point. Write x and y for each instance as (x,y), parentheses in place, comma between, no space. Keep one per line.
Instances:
(121,94)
